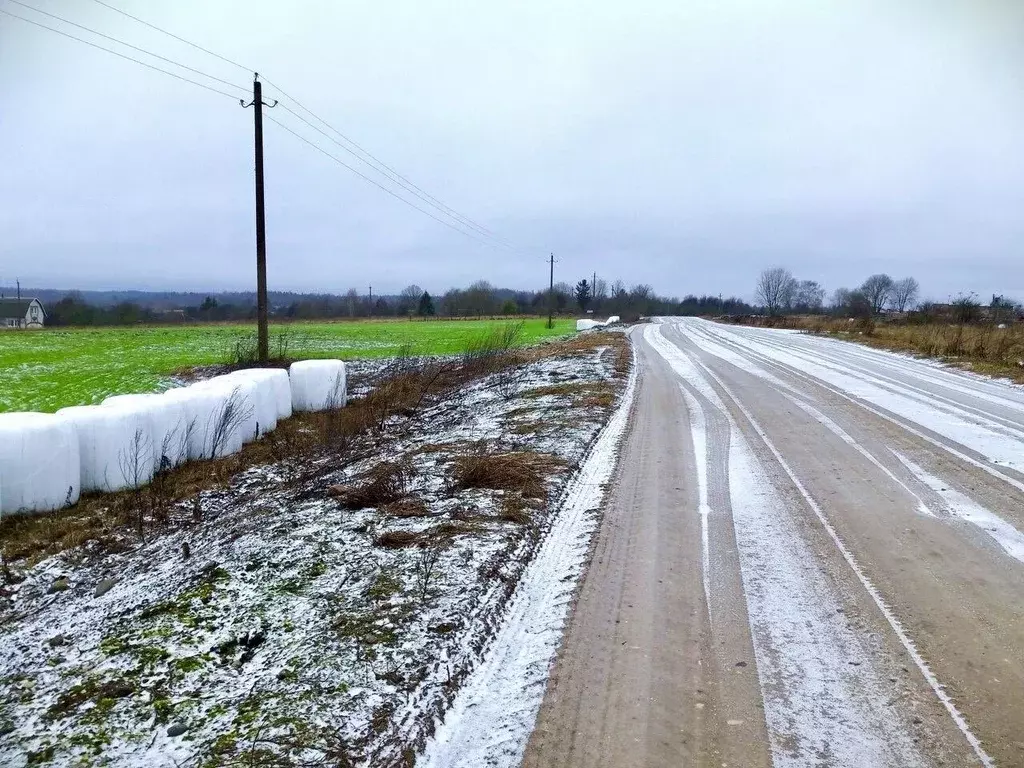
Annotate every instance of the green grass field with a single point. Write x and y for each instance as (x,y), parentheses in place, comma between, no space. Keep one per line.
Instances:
(50,369)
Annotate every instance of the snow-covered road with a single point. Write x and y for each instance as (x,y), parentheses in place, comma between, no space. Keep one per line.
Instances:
(812,555)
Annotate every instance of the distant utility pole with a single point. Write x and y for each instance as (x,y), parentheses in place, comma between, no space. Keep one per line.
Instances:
(371,301)
(551,295)
(262,340)
(19,289)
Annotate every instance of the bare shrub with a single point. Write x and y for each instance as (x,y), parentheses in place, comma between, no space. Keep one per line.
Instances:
(385,483)
(135,460)
(226,422)
(507,380)
(425,568)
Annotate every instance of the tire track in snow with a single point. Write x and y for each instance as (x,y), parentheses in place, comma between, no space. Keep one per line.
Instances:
(967,425)
(819,708)
(876,597)
(904,423)
(492,715)
(963,507)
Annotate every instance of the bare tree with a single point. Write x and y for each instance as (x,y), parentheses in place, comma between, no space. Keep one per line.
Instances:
(352,302)
(408,299)
(809,296)
(878,290)
(775,289)
(840,298)
(904,294)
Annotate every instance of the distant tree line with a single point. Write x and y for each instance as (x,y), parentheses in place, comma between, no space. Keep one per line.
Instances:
(480,299)
(778,292)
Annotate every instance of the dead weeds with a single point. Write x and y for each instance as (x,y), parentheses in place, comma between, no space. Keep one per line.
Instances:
(385,483)
(524,472)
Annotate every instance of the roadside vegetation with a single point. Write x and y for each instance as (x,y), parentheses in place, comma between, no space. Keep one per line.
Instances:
(887,314)
(314,600)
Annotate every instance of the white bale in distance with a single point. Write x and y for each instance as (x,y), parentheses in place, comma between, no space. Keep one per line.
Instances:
(587,325)
(613,319)
(234,421)
(317,385)
(39,463)
(166,419)
(107,446)
(267,405)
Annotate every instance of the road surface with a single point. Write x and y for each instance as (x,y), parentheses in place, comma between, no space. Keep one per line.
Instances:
(811,556)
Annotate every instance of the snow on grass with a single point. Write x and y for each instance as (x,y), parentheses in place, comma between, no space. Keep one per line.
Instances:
(279,625)
(492,716)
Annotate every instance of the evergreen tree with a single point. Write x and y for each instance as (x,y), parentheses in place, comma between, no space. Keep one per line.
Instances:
(426,307)
(583,294)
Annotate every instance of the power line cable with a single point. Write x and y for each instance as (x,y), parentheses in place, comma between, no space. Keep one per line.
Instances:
(171,34)
(385,169)
(231,96)
(335,141)
(375,163)
(375,183)
(128,45)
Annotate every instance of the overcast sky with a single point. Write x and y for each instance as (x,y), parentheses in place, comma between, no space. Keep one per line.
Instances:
(686,144)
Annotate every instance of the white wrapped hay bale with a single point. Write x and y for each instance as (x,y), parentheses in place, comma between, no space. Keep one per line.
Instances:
(114,453)
(180,448)
(233,422)
(317,385)
(266,404)
(282,391)
(205,407)
(613,319)
(165,417)
(39,463)
(587,325)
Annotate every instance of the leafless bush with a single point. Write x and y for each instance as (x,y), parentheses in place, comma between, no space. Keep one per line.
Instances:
(425,568)
(226,421)
(136,464)
(507,380)
(136,460)
(491,350)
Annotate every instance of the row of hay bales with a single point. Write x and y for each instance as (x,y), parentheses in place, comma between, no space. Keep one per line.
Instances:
(589,325)
(48,460)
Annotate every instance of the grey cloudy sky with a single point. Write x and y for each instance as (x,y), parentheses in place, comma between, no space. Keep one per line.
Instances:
(686,144)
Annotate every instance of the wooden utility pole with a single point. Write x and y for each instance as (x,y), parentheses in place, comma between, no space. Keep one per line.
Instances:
(262,340)
(551,295)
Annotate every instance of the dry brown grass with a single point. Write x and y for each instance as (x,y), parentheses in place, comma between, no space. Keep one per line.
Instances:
(514,509)
(397,539)
(385,483)
(599,394)
(523,472)
(410,506)
(983,348)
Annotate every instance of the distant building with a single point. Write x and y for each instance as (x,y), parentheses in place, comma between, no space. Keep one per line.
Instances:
(21,314)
